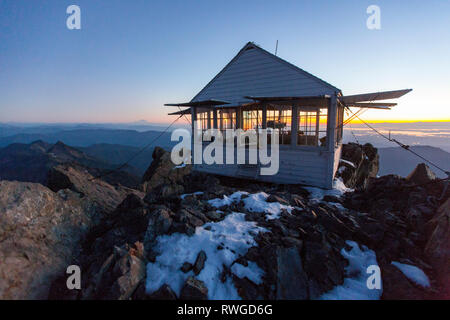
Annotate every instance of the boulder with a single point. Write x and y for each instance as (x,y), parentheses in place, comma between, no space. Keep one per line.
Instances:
(162,171)
(358,164)
(186,267)
(437,248)
(132,271)
(159,223)
(199,262)
(292,282)
(194,289)
(163,293)
(40,232)
(104,197)
(421,174)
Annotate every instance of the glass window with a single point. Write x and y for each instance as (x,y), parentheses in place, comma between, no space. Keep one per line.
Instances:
(280,118)
(312,127)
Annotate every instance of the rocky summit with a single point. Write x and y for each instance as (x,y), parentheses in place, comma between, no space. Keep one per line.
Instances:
(182,234)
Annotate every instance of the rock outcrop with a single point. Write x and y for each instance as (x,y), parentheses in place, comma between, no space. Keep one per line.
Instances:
(42,228)
(163,173)
(437,248)
(358,164)
(292,251)
(40,235)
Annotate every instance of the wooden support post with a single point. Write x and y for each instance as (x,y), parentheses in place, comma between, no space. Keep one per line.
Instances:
(215,119)
(239,120)
(317,126)
(294,125)
(193,119)
(331,124)
(264,116)
(331,140)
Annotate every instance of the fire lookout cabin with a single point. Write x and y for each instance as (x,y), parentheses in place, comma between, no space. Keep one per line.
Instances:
(258,90)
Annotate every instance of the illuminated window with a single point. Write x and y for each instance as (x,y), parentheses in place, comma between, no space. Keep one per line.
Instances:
(312,127)
(280,118)
(226,119)
(252,119)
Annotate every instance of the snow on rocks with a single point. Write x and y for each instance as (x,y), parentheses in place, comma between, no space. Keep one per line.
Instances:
(257,202)
(348,162)
(223,242)
(227,200)
(339,188)
(413,273)
(355,284)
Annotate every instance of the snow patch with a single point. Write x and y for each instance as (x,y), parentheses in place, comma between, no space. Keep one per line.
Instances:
(413,273)
(355,284)
(251,272)
(234,234)
(338,190)
(348,162)
(257,202)
(226,201)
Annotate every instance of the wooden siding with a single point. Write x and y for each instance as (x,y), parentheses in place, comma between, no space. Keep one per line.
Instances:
(255,72)
(307,166)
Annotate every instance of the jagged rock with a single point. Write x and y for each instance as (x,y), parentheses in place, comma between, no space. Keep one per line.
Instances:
(40,233)
(199,262)
(162,172)
(103,196)
(186,267)
(247,289)
(292,282)
(132,270)
(396,286)
(163,293)
(437,248)
(422,174)
(213,215)
(359,164)
(194,289)
(159,223)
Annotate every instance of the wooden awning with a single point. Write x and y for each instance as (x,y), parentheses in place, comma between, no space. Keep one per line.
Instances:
(372,105)
(365,97)
(204,103)
(181,112)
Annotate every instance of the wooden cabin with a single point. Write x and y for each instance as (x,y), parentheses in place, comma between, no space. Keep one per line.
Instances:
(258,90)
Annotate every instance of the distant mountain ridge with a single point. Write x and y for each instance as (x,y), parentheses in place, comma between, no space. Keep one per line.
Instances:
(32,162)
(396,160)
(87,137)
(119,154)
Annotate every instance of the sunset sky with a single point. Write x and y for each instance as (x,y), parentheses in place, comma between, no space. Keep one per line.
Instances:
(131,57)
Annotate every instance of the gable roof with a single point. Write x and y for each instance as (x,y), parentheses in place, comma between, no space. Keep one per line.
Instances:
(257,72)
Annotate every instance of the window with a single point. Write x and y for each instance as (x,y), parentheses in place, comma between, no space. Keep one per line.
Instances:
(204,119)
(280,118)
(226,119)
(312,127)
(339,123)
(252,119)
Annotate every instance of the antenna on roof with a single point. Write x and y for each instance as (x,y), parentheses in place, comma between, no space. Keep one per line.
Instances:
(276,48)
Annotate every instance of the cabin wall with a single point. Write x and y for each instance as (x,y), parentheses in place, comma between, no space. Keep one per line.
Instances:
(297,165)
